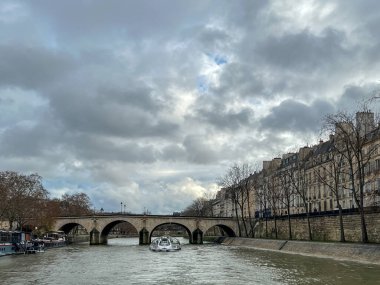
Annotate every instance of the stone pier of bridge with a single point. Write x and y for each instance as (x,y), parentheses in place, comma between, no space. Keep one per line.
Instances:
(100,226)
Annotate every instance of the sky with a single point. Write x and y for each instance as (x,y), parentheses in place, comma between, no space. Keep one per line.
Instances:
(147,103)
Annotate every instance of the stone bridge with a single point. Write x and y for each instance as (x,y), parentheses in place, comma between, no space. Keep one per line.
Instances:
(99,226)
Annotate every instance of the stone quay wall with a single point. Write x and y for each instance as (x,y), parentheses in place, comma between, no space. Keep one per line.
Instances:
(354,252)
(324,228)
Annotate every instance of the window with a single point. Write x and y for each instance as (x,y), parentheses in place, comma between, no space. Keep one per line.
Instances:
(377,164)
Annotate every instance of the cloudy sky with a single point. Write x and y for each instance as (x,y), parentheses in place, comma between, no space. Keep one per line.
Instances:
(148,102)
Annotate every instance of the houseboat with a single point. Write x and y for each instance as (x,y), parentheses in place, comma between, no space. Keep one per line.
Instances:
(10,242)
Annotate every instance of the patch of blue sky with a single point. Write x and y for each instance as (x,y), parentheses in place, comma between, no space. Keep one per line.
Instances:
(217,58)
(58,187)
(202,84)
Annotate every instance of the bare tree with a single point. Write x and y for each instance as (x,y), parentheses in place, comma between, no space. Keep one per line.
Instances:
(200,207)
(252,192)
(236,181)
(328,168)
(297,178)
(76,204)
(261,199)
(353,142)
(273,195)
(287,196)
(24,195)
(4,194)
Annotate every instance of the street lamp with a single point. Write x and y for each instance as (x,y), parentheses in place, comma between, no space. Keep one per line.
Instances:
(121,207)
(124,207)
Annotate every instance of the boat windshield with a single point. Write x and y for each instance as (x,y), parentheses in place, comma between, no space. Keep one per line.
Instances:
(164,242)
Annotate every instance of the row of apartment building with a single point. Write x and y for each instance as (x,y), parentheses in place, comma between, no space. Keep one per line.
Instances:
(315,179)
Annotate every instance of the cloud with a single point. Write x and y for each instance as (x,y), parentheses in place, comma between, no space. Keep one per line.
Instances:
(220,118)
(31,67)
(297,117)
(199,150)
(304,51)
(356,96)
(136,102)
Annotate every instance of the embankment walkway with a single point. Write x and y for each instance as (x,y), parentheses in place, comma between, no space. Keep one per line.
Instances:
(356,252)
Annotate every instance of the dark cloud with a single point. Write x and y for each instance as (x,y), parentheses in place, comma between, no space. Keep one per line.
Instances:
(124,19)
(129,114)
(32,67)
(199,150)
(174,152)
(221,118)
(239,79)
(356,97)
(213,39)
(98,149)
(304,51)
(297,117)
(30,141)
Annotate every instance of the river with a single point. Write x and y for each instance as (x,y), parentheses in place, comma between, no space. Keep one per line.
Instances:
(123,261)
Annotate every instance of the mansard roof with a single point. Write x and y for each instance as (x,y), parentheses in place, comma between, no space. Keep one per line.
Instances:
(323,148)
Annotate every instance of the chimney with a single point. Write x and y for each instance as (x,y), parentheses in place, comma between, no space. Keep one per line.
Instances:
(365,122)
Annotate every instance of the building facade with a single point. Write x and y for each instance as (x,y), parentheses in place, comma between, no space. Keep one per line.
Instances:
(341,173)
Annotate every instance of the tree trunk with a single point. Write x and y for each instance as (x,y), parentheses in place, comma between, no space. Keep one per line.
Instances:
(243,220)
(308,225)
(362,215)
(289,222)
(244,226)
(275,227)
(237,218)
(10,224)
(341,225)
(363,225)
(251,222)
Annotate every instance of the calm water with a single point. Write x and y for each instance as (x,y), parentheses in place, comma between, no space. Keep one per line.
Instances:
(125,262)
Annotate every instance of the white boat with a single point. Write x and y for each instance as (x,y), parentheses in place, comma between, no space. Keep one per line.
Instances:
(54,239)
(165,243)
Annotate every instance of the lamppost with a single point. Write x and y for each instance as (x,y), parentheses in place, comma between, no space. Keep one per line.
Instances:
(121,207)
(124,207)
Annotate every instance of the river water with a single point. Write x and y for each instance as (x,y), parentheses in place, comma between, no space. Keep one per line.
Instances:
(123,261)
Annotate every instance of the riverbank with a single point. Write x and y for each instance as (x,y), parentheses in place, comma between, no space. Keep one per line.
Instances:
(363,253)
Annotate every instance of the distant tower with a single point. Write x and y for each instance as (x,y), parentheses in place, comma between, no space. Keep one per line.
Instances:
(365,122)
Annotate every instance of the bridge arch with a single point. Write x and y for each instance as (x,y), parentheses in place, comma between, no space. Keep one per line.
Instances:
(225,230)
(189,233)
(69,227)
(108,227)
(73,229)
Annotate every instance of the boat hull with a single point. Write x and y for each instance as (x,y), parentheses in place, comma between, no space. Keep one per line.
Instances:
(165,244)
(7,248)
